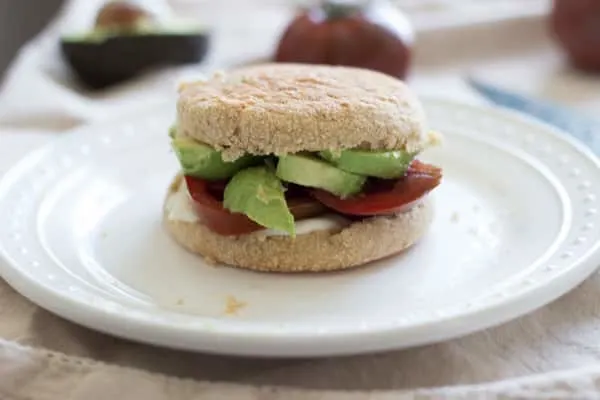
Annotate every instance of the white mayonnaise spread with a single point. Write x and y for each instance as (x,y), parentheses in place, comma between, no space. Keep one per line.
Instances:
(326,221)
(179,207)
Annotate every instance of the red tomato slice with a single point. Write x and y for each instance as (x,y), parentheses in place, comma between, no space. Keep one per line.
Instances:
(212,213)
(387,197)
(207,197)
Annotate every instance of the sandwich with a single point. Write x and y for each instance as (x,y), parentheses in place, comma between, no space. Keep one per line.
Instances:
(298,168)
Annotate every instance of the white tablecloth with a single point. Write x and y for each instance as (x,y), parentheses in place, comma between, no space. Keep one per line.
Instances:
(551,353)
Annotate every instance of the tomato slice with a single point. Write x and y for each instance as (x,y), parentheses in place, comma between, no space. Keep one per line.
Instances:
(213,215)
(208,195)
(387,197)
(305,207)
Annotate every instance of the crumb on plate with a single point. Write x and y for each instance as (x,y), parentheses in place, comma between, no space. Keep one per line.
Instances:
(233,305)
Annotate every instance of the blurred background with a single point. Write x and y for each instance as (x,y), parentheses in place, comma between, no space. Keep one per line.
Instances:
(87,59)
(21,20)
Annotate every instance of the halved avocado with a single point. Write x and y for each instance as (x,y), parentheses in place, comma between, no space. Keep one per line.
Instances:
(101,61)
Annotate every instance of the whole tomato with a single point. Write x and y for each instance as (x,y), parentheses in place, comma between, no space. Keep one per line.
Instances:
(575,25)
(368,34)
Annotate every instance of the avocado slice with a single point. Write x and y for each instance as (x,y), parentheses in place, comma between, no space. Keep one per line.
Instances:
(379,164)
(101,58)
(202,161)
(310,171)
(259,194)
(173,131)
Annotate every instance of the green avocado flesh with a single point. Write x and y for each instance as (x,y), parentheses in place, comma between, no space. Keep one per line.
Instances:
(202,161)
(173,131)
(313,172)
(386,165)
(259,194)
(101,34)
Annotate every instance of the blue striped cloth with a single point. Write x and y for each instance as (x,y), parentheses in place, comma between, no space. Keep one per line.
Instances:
(584,128)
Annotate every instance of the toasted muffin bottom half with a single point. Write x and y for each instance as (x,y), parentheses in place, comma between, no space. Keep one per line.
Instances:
(353,245)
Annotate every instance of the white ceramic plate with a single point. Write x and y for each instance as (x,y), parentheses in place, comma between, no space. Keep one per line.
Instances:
(516,227)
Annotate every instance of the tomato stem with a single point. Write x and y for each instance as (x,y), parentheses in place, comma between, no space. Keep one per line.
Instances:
(337,9)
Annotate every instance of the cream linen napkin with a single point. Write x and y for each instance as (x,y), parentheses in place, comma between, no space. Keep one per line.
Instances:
(40,374)
(45,357)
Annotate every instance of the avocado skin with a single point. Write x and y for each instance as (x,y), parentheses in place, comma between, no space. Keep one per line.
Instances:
(114,60)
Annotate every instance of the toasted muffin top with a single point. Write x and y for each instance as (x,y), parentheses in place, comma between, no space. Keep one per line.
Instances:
(288,108)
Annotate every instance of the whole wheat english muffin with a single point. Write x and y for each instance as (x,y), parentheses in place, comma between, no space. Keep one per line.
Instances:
(288,108)
(292,168)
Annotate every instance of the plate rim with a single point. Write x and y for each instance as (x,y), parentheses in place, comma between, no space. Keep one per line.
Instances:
(478,319)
